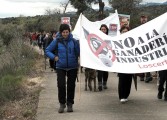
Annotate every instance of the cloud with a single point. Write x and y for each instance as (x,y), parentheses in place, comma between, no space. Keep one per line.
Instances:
(14,8)
(34,1)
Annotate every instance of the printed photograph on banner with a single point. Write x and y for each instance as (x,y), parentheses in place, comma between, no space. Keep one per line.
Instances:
(113,29)
(124,20)
(66,20)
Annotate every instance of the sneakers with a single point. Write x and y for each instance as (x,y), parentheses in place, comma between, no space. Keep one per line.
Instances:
(124,100)
(69,108)
(61,109)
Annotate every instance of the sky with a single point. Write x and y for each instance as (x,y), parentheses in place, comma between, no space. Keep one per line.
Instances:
(15,8)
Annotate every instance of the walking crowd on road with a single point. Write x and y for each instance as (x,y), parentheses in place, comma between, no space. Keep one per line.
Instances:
(63,52)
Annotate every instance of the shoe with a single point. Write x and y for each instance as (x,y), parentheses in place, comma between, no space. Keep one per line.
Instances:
(105,86)
(122,100)
(141,79)
(165,99)
(69,108)
(159,96)
(61,109)
(100,88)
(126,100)
(148,79)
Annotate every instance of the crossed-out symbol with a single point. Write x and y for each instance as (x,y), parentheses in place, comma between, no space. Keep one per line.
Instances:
(99,46)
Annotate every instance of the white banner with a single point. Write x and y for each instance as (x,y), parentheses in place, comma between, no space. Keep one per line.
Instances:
(143,49)
(112,23)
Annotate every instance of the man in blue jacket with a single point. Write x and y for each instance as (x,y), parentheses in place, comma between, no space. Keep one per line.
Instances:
(65,51)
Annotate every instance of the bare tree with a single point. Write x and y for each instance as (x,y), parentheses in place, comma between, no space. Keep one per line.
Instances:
(52,12)
(64,5)
(48,11)
(101,8)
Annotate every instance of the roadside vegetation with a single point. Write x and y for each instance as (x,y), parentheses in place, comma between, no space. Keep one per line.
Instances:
(17,63)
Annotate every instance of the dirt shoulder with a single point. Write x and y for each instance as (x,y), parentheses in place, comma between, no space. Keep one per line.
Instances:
(25,107)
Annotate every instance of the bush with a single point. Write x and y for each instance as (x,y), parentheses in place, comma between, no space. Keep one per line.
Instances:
(9,85)
(16,61)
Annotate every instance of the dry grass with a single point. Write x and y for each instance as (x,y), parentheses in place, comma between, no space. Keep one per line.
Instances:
(25,108)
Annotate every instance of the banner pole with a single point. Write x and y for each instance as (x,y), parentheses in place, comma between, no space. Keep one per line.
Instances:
(80,17)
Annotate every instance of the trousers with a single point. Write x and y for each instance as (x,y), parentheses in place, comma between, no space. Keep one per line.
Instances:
(66,85)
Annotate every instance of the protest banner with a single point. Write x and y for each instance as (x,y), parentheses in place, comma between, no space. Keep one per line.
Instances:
(111,21)
(143,49)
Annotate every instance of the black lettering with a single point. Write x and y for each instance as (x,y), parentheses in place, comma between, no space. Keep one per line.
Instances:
(129,42)
(118,44)
(145,58)
(164,36)
(158,53)
(145,48)
(159,42)
(137,51)
(152,45)
(140,41)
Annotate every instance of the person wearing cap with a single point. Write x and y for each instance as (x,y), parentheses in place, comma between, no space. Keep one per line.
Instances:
(66,56)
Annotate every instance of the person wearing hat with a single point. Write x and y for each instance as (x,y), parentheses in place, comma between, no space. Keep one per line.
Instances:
(66,56)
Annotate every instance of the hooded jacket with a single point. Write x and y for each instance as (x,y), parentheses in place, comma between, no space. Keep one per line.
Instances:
(67,51)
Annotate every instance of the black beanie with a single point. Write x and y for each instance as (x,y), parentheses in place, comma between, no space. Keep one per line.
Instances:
(64,27)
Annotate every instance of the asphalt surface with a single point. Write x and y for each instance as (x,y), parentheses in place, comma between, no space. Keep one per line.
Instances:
(105,105)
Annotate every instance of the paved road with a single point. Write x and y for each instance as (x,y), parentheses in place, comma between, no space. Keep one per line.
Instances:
(142,104)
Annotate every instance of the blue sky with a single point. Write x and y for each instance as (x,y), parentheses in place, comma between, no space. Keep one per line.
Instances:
(15,8)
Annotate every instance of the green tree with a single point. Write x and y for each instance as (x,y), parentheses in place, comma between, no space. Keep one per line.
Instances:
(81,5)
(124,6)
